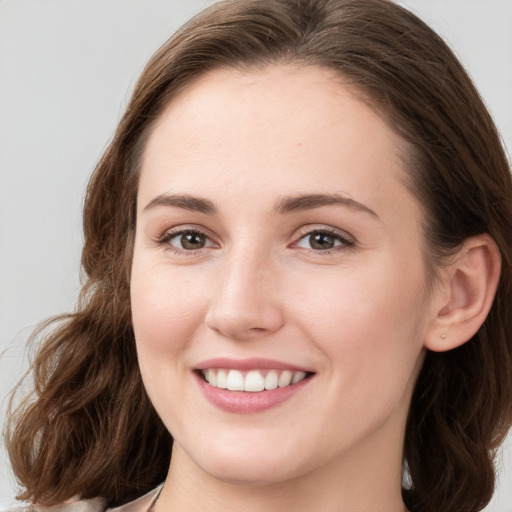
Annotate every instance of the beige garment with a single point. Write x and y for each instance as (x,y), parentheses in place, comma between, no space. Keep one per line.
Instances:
(95,505)
(142,504)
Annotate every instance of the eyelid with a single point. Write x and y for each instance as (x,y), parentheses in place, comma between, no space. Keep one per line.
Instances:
(175,231)
(305,231)
(324,228)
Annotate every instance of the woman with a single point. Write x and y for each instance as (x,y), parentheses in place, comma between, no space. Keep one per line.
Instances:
(298,256)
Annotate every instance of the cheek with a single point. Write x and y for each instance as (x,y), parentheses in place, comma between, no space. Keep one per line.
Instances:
(370,324)
(166,313)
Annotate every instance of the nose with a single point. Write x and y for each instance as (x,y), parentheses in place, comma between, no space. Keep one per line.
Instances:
(246,303)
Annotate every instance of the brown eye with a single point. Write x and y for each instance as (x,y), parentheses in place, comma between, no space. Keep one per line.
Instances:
(322,241)
(189,240)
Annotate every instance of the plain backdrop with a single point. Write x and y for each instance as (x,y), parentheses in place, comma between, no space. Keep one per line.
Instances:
(66,72)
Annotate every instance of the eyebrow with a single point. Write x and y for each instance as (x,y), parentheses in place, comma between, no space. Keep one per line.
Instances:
(184,201)
(290,204)
(287,204)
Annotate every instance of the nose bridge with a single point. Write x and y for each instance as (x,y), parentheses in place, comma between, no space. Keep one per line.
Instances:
(245,303)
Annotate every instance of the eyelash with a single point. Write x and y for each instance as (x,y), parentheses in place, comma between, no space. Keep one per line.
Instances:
(166,238)
(344,242)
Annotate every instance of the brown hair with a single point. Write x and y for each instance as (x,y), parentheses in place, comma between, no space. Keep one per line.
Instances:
(90,430)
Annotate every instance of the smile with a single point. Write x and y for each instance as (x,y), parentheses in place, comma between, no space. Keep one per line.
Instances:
(251,385)
(252,381)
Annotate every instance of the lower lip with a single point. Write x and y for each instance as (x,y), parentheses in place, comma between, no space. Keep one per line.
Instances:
(245,402)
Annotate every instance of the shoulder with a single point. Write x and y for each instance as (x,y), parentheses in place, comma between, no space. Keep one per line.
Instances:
(94,505)
(142,504)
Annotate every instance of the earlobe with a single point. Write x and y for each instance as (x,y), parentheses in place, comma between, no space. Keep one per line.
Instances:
(465,295)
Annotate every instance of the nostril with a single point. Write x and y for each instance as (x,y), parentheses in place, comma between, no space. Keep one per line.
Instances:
(237,328)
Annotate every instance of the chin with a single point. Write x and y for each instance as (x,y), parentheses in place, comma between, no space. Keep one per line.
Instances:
(255,466)
(253,472)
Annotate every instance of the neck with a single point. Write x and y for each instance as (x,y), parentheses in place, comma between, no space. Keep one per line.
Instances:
(368,479)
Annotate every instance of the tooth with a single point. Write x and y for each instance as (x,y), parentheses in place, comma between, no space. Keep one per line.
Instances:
(211,377)
(285,379)
(235,381)
(206,375)
(271,380)
(298,376)
(254,382)
(222,377)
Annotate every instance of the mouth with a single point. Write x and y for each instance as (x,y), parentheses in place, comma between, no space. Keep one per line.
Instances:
(250,385)
(252,381)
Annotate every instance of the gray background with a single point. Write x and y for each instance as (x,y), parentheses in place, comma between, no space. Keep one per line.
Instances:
(66,71)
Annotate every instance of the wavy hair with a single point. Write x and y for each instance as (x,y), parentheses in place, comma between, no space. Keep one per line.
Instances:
(89,429)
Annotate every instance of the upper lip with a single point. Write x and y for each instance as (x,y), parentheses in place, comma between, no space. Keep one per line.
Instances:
(254,363)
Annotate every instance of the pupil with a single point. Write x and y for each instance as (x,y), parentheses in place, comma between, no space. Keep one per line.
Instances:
(321,241)
(192,241)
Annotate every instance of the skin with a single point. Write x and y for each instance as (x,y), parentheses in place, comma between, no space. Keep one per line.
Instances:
(356,315)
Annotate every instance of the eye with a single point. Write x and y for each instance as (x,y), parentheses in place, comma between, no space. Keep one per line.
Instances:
(186,240)
(322,240)
(190,241)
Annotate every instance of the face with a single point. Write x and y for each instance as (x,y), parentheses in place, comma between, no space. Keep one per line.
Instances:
(278,279)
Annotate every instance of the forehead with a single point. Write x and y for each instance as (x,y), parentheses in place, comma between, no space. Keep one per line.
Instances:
(281,129)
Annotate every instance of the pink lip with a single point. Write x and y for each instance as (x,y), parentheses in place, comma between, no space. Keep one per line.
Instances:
(246,402)
(248,364)
(243,402)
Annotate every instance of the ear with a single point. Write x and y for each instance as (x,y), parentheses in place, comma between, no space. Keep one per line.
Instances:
(464,294)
